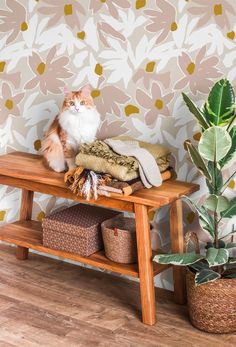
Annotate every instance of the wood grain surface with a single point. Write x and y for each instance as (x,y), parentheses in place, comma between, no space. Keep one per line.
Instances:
(177,246)
(28,234)
(45,302)
(145,262)
(28,170)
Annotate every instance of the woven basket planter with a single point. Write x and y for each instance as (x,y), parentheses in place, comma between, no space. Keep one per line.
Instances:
(119,238)
(212,306)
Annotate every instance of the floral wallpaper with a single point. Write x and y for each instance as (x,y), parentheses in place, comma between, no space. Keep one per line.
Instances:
(137,55)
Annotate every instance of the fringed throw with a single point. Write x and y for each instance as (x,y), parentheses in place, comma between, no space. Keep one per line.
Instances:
(85,183)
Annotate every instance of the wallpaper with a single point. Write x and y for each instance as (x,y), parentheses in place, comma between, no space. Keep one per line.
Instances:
(137,55)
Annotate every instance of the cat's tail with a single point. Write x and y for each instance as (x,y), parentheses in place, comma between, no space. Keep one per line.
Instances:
(52,150)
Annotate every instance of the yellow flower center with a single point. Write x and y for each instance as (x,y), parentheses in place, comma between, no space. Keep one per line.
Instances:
(190,217)
(9,104)
(2,66)
(231,184)
(98,69)
(173,26)
(41,68)
(150,66)
(159,104)
(197,136)
(2,215)
(151,215)
(37,145)
(140,3)
(190,68)
(24,26)
(81,35)
(103,1)
(68,10)
(218,10)
(40,216)
(95,93)
(231,35)
(130,109)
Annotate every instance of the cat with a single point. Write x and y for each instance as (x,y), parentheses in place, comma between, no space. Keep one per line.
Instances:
(77,123)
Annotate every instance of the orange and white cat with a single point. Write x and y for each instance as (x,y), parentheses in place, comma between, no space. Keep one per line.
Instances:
(77,123)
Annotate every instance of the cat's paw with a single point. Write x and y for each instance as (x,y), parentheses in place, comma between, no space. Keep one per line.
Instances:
(58,169)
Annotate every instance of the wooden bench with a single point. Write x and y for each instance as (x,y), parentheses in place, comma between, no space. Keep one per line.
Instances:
(26,171)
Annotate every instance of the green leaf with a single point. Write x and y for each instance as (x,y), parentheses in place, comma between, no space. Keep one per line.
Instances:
(181,259)
(196,112)
(217,179)
(219,108)
(232,261)
(216,203)
(221,244)
(232,149)
(205,276)
(205,219)
(232,275)
(231,245)
(229,266)
(214,144)
(199,265)
(197,160)
(231,210)
(217,256)
(209,245)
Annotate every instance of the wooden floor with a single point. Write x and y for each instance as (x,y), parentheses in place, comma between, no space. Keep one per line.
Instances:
(48,303)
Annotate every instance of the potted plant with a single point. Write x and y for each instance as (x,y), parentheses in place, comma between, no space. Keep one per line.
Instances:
(211,275)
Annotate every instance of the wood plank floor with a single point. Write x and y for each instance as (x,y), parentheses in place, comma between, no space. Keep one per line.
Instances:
(47,303)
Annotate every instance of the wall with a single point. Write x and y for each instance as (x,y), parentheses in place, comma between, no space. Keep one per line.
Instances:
(138,56)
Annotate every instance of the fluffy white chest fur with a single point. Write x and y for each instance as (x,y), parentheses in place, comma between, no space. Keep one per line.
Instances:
(81,127)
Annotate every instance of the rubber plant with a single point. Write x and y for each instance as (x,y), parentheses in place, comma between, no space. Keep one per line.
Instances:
(215,150)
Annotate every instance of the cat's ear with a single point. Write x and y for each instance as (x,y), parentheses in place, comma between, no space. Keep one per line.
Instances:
(86,91)
(66,91)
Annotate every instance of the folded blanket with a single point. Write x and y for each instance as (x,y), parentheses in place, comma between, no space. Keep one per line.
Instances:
(148,169)
(99,157)
(86,183)
(117,188)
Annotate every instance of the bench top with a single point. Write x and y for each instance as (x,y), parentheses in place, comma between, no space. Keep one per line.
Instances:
(25,170)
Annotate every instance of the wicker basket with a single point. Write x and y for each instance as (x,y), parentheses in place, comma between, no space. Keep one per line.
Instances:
(76,229)
(119,238)
(212,306)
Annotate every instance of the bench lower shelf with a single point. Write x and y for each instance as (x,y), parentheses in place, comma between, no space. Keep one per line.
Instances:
(29,234)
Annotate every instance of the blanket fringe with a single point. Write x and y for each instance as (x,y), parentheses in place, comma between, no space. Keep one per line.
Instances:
(85,183)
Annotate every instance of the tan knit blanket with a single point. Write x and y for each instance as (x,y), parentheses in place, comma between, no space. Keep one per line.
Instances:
(99,157)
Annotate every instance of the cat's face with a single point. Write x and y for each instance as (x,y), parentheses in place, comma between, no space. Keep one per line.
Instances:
(78,102)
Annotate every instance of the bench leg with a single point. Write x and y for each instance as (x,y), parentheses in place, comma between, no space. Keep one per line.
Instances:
(145,265)
(25,214)
(21,253)
(177,246)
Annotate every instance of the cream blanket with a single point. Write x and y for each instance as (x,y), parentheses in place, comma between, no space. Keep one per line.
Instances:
(148,169)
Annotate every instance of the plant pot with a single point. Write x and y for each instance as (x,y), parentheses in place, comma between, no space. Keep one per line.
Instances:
(212,306)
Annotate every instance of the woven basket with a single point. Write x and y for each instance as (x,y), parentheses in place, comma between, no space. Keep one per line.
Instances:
(119,238)
(212,306)
(76,229)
